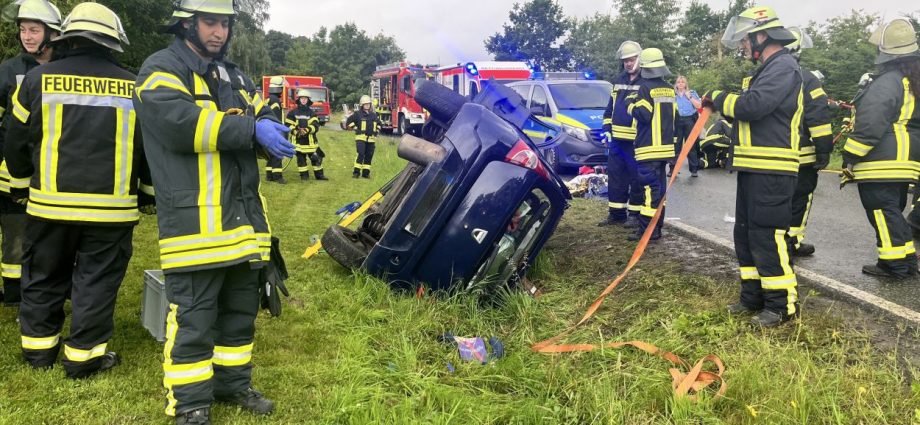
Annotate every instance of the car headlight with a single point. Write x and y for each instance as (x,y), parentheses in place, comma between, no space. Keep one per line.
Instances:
(578,133)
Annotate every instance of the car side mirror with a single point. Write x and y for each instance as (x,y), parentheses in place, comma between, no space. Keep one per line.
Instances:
(538,111)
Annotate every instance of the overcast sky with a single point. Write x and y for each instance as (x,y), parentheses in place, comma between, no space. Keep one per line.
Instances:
(450,31)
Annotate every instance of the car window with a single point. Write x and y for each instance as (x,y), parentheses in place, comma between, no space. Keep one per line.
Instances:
(523,90)
(539,101)
(580,95)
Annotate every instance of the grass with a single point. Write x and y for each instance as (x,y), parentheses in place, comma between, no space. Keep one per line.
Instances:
(349,350)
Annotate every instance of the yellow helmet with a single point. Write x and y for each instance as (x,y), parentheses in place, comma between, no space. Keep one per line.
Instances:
(365,100)
(755,19)
(653,65)
(276,84)
(34,10)
(629,49)
(303,93)
(96,23)
(894,40)
(802,41)
(188,8)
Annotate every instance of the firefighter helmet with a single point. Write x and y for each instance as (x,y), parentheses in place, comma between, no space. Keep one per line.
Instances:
(895,39)
(755,19)
(185,9)
(653,65)
(34,10)
(96,23)
(802,41)
(629,49)
(276,85)
(188,8)
(303,93)
(365,100)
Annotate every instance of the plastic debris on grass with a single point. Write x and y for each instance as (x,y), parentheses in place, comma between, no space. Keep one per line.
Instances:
(474,348)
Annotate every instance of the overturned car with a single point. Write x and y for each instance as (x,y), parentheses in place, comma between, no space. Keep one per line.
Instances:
(473,207)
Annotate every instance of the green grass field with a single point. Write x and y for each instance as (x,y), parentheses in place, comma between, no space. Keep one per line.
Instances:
(348,350)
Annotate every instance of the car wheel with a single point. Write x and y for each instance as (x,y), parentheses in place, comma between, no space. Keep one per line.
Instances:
(344,246)
(551,159)
(443,103)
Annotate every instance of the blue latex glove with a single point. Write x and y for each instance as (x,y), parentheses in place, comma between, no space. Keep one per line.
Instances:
(272,137)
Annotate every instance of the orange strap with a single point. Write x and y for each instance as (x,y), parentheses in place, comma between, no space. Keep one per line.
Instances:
(684,384)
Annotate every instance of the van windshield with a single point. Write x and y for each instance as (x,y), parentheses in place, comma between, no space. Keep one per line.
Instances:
(580,95)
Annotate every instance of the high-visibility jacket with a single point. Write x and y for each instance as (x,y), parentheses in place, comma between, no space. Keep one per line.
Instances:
(304,125)
(885,142)
(768,115)
(817,134)
(74,141)
(203,161)
(366,125)
(653,106)
(718,135)
(274,103)
(12,72)
(617,120)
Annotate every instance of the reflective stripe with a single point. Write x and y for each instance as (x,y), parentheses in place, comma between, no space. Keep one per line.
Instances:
(172,327)
(82,199)
(640,104)
(146,188)
(766,152)
(856,148)
(88,100)
(78,355)
(22,183)
(777,282)
(81,214)
(900,127)
(40,343)
(11,271)
(728,108)
(616,205)
(20,112)
(882,226)
(124,147)
(162,79)
(795,133)
(192,242)
(749,273)
(52,123)
(232,356)
(183,374)
(765,164)
(816,93)
(241,250)
(779,236)
(820,130)
(630,87)
(647,209)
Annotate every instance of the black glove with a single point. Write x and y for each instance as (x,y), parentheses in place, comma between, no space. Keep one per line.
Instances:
(272,277)
(822,160)
(146,204)
(849,159)
(20,196)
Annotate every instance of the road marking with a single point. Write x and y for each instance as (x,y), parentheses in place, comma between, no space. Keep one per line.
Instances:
(817,279)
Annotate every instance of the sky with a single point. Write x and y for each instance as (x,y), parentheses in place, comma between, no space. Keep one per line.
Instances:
(451,31)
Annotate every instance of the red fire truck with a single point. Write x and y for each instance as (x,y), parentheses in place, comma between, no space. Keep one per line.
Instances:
(468,78)
(319,94)
(393,94)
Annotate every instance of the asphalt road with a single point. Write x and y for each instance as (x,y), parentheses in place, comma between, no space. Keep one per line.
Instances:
(838,228)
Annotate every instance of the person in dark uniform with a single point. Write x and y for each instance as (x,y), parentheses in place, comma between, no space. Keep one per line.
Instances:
(366,124)
(304,125)
(273,167)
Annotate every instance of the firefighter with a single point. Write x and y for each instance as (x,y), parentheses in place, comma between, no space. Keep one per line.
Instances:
(652,105)
(38,21)
(883,151)
(716,142)
(73,152)
(273,167)
(817,142)
(624,195)
(201,136)
(366,124)
(304,125)
(765,153)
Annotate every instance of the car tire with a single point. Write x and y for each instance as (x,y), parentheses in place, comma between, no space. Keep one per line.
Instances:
(443,103)
(344,246)
(551,158)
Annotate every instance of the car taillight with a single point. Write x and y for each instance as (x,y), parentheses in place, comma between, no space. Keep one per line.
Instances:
(523,155)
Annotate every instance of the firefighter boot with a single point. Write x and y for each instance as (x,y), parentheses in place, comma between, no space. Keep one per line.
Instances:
(769,319)
(320,175)
(804,250)
(881,269)
(357,173)
(200,416)
(632,221)
(366,173)
(106,362)
(610,221)
(249,399)
(11,294)
(304,176)
(737,309)
(280,179)
(269,176)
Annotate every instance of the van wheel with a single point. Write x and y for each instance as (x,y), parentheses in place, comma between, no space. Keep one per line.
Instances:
(344,246)
(551,159)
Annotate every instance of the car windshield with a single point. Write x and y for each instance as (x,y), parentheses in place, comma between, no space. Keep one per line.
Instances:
(580,95)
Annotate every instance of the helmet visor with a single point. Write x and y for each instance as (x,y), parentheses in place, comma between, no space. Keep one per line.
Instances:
(737,28)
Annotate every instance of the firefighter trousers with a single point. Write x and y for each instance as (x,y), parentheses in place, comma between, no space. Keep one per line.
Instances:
(13,221)
(315,163)
(88,260)
(763,211)
(273,169)
(209,335)
(801,205)
(653,181)
(365,156)
(624,195)
(884,204)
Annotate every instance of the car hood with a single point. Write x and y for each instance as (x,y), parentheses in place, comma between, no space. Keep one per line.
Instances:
(591,119)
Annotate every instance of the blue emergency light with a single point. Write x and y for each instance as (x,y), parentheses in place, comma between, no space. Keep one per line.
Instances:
(471,68)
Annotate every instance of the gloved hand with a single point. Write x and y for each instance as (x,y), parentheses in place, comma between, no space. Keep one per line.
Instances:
(146,204)
(272,136)
(632,98)
(20,196)
(606,138)
(235,111)
(822,159)
(272,277)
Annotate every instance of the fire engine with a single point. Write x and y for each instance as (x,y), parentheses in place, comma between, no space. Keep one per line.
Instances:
(469,78)
(319,94)
(393,94)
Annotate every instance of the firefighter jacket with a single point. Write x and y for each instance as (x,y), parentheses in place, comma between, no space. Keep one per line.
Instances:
(817,134)
(304,125)
(274,103)
(885,143)
(717,135)
(767,118)
(366,125)
(12,72)
(653,106)
(617,120)
(74,143)
(203,161)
